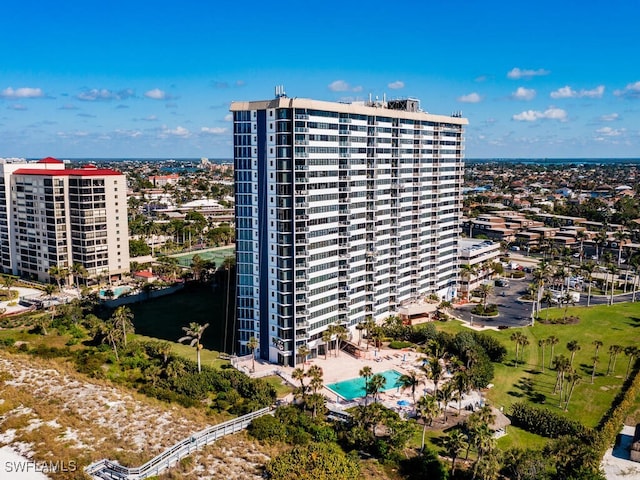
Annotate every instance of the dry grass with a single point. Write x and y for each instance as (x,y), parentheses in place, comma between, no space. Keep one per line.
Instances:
(50,412)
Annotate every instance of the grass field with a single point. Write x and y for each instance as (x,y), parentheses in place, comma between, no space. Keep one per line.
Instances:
(618,324)
(164,317)
(217,255)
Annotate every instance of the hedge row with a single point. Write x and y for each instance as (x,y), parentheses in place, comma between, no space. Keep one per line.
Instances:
(543,421)
(613,420)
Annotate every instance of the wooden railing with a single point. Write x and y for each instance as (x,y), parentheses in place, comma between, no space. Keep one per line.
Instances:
(110,470)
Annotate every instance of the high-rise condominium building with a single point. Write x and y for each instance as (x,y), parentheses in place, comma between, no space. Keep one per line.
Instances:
(54,216)
(344,211)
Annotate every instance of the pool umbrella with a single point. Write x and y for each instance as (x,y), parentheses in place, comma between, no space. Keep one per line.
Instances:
(404,403)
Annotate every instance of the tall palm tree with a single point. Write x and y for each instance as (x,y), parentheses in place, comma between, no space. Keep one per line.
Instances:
(588,269)
(553,341)
(573,346)
(410,380)
(524,341)
(253,345)
(123,318)
(366,373)
(485,290)
(375,385)
(303,352)
(462,383)
(298,374)
(614,351)
(428,409)
(561,364)
(454,443)
(573,378)
(632,352)
(433,371)
(548,297)
(193,334)
(445,395)
(620,236)
(326,338)
(613,269)
(516,338)
(58,273)
(113,336)
(597,344)
(542,343)
(78,271)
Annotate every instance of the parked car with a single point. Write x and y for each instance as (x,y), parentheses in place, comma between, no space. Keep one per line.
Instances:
(501,282)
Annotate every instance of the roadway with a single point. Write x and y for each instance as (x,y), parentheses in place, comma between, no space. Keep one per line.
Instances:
(513,312)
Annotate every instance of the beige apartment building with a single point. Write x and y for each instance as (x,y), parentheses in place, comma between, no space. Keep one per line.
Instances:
(56,216)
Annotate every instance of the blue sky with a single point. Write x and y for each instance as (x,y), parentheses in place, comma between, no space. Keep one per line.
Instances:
(155,79)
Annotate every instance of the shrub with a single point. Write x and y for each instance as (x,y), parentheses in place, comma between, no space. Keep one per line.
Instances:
(543,421)
(268,428)
(491,310)
(397,344)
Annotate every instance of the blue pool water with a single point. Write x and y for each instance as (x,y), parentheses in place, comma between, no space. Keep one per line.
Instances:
(116,291)
(355,387)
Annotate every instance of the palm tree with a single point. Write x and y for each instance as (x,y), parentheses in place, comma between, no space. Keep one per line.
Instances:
(466,272)
(193,334)
(632,352)
(573,346)
(620,236)
(410,380)
(298,374)
(542,343)
(614,272)
(597,344)
(588,269)
(112,335)
(375,385)
(573,378)
(58,273)
(462,382)
(524,341)
(342,334)
(614,351)
(485,290)
(433,371)
(553,341)
(454,443)
(445,395)
(303,352)
(484,443)
(78,271)
(326,338)
(548,297)
(516,337)
(315,373)
(428,409)
(561,364)
(8,282)
(253,345)
(122,318)
(366,373)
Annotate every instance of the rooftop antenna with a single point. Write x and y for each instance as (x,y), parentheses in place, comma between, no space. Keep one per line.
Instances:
(280,91)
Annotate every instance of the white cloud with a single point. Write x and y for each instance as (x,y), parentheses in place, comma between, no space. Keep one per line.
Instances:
(174,132)
(516,73)
(609,117)
(533,115)
(632,90)
(524,94)
(17,106)
(568,92)
(156,94)
(470,98)
(610,132)
(23,92)
(396,85)
(95,94)
(342,86)
(214,130)
(228,117)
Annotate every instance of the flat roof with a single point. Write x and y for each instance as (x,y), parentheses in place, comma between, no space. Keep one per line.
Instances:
(81,172)
(285,102)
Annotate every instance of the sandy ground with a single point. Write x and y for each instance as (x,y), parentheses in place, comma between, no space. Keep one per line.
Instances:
(616,463)
(17,467)
(91,420)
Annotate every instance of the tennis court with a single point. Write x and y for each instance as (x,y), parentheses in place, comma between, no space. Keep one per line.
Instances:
(216,254)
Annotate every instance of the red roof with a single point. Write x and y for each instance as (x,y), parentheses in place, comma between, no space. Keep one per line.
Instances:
(81,172)
(49,160)
(144,274)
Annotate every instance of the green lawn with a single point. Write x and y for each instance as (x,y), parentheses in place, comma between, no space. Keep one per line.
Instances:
(164,317)
(210,358)
(618,324)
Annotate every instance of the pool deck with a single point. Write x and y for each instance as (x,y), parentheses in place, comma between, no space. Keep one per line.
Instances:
(345,367)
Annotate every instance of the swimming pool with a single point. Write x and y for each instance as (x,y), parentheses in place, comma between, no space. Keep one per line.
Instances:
(118,291)
(355,387)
